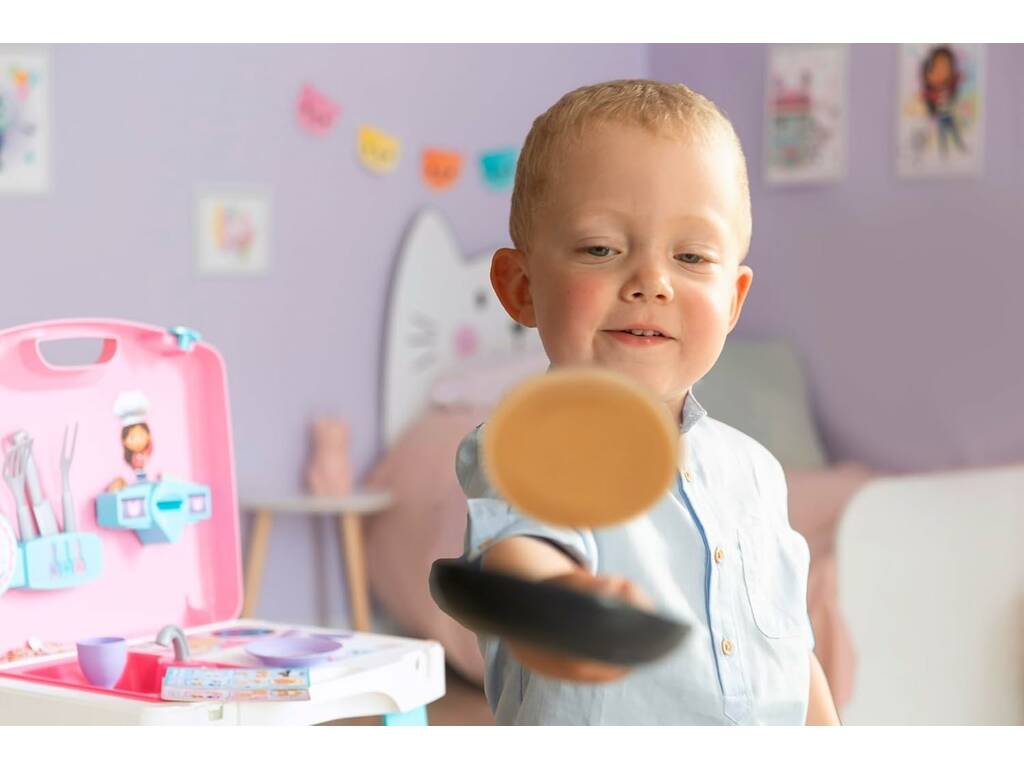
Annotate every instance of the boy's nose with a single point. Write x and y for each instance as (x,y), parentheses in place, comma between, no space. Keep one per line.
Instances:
(648,285)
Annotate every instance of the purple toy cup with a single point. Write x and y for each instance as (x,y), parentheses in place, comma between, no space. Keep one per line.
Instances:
(102,659)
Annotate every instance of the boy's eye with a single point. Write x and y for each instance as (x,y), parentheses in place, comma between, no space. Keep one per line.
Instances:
(690,258)
(599,250)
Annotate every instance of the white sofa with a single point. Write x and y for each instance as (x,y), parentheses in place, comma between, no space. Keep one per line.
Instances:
(931,582)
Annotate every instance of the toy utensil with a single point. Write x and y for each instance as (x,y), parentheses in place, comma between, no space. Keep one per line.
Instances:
(45,520)
(14,473)
(67,505)
(574,448)
(55,561)
(80,564)
(568,621)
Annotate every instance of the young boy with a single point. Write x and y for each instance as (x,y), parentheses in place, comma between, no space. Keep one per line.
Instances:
(631,220)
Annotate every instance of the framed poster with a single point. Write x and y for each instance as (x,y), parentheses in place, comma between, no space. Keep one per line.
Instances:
(941,110)
(233,231)
(24,120)
(805,113)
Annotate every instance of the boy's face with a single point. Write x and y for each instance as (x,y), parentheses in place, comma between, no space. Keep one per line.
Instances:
(637,232)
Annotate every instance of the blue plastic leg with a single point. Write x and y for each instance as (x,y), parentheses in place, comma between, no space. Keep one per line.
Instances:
(416,716)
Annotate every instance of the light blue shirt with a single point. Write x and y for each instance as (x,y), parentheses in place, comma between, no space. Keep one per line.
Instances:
(717,551)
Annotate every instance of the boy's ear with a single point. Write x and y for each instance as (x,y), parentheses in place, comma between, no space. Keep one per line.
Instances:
(744,276)
(511,282)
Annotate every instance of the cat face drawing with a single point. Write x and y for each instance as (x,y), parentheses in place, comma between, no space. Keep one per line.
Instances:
(443,314)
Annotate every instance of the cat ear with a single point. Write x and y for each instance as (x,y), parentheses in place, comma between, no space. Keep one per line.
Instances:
(432,240)
(511,281)
(419,317)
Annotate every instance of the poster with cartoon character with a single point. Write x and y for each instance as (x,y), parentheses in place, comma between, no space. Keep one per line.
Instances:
(941,110)
(805,113)
(24,121)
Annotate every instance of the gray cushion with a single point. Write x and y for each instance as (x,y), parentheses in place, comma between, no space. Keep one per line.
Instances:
(758,387)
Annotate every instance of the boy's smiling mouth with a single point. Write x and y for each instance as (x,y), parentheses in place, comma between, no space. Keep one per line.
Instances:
(642,335)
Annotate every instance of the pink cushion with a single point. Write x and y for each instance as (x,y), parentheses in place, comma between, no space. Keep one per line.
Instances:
(817,498)
(426,522)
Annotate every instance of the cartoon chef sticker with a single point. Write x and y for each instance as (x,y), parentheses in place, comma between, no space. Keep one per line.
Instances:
(131,408)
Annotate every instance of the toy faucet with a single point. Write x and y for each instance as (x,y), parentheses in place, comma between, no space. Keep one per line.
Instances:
(172,635)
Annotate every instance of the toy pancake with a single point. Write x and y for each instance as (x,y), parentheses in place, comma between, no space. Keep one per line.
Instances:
(582,448)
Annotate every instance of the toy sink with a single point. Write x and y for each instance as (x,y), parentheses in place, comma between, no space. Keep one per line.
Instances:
(164,545)
(141,680)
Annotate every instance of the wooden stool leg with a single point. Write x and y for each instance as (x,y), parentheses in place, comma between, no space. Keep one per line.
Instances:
(257,558)
(350,528)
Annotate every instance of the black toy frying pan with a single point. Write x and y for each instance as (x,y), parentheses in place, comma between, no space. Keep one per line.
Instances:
(573,448)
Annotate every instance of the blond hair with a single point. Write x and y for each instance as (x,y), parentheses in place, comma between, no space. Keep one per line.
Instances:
(656,106)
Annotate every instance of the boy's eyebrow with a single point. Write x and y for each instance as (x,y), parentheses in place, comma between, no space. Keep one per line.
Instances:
(715,222)
(710,220)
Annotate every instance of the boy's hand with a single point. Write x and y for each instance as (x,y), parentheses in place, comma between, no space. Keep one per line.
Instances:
(572,667)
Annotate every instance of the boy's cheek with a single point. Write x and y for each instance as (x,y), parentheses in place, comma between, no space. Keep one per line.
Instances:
(584,295)
(707,304)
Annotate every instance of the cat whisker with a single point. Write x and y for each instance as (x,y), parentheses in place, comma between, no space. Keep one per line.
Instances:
(424,321)
(421,342)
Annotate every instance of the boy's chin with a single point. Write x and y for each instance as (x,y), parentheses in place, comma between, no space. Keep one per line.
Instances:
(668,392)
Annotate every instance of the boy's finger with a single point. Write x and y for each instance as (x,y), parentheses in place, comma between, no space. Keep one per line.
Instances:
(624,589)
(566,667)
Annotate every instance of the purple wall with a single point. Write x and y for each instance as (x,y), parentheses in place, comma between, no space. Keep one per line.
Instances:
(902,297)
(136,128)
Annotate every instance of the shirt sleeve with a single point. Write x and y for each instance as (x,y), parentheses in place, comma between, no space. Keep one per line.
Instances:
(492,519)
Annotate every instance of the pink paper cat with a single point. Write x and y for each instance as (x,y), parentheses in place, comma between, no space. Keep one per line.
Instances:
(329,473)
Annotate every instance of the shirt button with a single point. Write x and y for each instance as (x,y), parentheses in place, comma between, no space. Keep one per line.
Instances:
(719,554)
(688,475)
(727,647)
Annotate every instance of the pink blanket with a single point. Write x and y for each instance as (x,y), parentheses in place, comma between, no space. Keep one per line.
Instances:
(428,521)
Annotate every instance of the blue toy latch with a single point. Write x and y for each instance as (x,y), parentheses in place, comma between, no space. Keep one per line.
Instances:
(187,337)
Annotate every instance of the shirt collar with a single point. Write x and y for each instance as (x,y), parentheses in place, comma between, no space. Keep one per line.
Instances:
(692,412)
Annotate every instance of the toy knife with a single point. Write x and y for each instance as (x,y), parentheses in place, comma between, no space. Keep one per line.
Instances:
(45,520)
